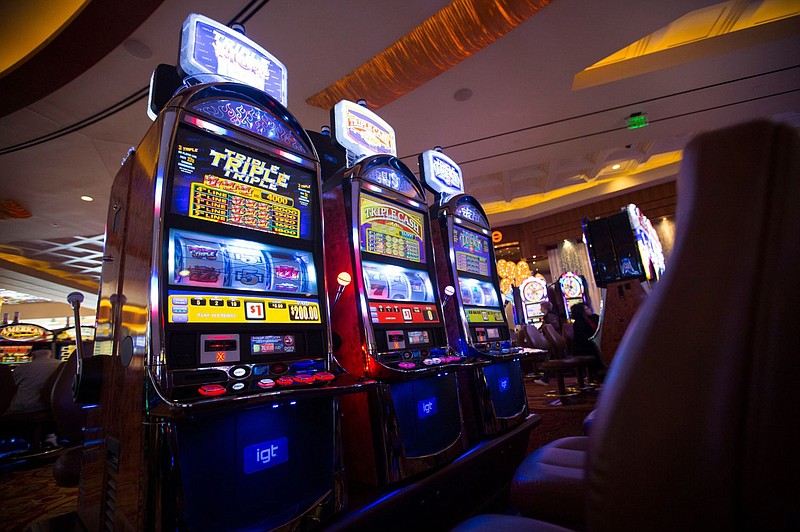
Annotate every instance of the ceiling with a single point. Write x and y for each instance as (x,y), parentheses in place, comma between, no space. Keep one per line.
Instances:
(534,129)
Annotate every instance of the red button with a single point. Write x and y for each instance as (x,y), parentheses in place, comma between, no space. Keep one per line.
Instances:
(284,381)
(303,378)
(324,376)
(211,389)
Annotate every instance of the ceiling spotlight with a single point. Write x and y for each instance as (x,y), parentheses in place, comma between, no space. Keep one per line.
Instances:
(462,95)
(87,198)
(616,166)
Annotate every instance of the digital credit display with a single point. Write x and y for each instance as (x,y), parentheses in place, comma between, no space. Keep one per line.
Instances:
(471,251)
(221,182)
(274,344)
(390,230)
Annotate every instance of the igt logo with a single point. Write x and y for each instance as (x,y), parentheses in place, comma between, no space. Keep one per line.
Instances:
(426,407)
(265,454)
(503,384)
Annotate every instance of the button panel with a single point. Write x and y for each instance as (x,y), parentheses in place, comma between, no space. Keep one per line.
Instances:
(249,378)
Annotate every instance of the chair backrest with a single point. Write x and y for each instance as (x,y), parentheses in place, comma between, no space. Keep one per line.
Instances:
(68,415)
(696,427)
(8,388)
(558,346)
(568,332)
(534,338)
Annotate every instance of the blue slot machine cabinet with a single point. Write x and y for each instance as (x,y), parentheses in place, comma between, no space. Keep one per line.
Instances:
(388,324)
(476,323)
(218,408)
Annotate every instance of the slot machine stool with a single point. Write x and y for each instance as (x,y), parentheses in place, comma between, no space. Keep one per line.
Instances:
(564,394)
(551,483)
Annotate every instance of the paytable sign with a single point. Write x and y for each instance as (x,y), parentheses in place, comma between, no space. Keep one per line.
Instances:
(441,175)
(208,47)
(361,132)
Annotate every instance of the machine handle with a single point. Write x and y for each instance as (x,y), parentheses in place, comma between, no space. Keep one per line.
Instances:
(75,299)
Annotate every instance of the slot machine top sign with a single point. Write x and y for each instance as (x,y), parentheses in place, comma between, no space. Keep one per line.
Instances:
(361,132)
(441,175)
(208,47)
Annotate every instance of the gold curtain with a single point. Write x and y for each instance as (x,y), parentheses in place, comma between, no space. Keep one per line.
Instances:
(453,34)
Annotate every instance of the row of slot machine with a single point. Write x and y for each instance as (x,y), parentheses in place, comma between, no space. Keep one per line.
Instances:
(17,340)
(239,387)
(570,288)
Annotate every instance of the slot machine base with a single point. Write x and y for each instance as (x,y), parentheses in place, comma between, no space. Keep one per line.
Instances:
(475,482)
(493,399)
(401,430)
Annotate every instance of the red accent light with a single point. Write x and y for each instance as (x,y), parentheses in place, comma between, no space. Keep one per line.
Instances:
(303,378)
(284,381)
(211,389)
(324,376)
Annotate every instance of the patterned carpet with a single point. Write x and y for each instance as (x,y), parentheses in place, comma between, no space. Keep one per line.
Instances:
(29,494)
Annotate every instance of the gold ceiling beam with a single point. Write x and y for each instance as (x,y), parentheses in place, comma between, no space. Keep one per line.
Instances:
(451,35)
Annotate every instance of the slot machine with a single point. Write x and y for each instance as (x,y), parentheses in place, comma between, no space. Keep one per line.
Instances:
(17,340)
(571,289)
(625,254)
(218,408)
(533,292)
(476,323)
(388,323)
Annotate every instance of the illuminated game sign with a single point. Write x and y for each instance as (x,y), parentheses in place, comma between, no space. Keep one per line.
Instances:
(533,290)
(441,174)
(647,241)
(362,132)
(391,178)
(571,285)
(469,212)
(392,231)
(208,47)
(224,183)
(471,251)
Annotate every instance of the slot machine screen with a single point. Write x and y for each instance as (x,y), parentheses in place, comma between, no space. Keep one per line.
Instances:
(214,261)
(223,182)
(390,230)
(471,251)
(478,293)
(389,282)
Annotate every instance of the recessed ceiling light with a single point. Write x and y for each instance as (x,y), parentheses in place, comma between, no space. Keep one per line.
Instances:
(616,166)
(137,49)
(87,198)
(462,95)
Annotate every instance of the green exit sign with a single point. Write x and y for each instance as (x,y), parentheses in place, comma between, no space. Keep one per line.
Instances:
(636,120)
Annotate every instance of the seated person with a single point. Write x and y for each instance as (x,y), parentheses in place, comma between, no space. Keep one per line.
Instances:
(584,327)
(30,379)
(550,316)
